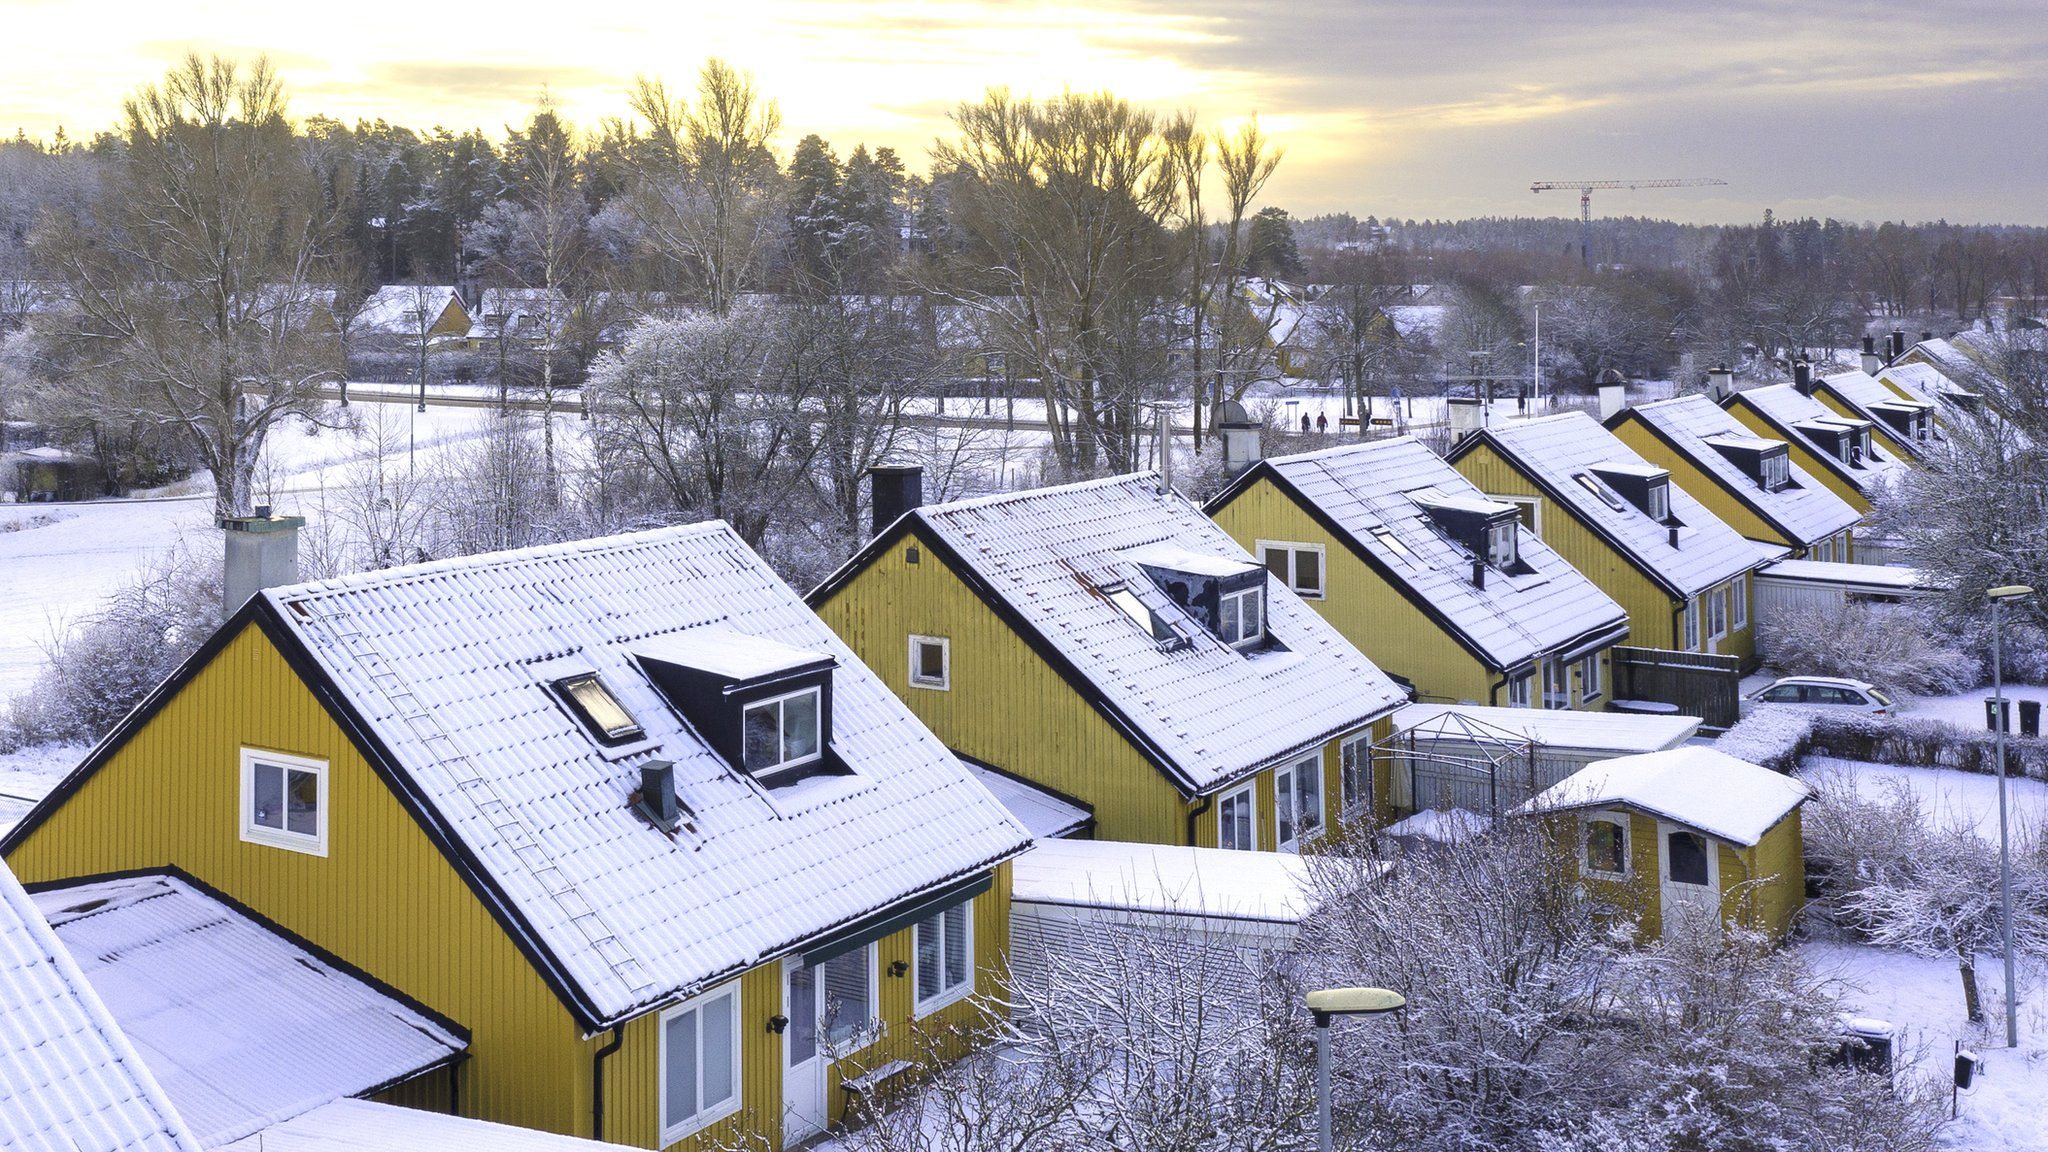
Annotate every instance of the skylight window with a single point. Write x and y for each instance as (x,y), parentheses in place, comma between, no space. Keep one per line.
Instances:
(1127,601)
(1606,495)
(1393,543)
(598,709)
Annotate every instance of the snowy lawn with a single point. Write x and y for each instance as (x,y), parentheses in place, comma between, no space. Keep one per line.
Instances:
(1944,793)
(2008,1109)
(29,773)
(1966,709)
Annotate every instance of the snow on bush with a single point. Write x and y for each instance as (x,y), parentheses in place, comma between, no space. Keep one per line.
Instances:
(1774,736)
(1894,646)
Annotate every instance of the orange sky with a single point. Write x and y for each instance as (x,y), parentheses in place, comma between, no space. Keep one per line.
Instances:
(1406,107)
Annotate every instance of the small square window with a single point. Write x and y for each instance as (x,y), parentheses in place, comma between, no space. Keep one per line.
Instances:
(1243,617)
(1299,566)
(782,732)
(598,709)
(284,801)
(931,662)
(945,957)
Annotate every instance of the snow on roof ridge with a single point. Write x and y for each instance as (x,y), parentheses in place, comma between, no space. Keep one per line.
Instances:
(1361,448)
(995,499)
(505,557)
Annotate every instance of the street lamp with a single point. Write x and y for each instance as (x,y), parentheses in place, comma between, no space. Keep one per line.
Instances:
(1328,1003)
(1998,597)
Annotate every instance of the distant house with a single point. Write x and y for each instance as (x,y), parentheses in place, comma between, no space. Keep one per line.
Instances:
(521,316)
(1682,573)
(1841,452)
(1904,427)
(70,1079)
(1688,835)
(1749,481)
(1433,580)
(1968,377)
(624,810)
(406,314)
(1107,642)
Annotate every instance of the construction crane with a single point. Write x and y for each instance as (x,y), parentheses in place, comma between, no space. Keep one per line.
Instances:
(1586,187)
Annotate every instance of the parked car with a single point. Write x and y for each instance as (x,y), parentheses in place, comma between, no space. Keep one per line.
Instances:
(1824,692)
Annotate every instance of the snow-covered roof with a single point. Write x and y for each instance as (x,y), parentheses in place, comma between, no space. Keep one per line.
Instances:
(1797,416)
(1702,788)
(283,1031)
(1369,492)
(1045,815)
(1963,370)
(367,1126)
(729,652)
(1554,451)
(70,1081)
(1209,712)
(1417,321)
(1804,510)
(449,665)
(536,312)
(1165,878)
(1876,576)
(1617,732)
(1441,825)
(1869,397)
(403,309)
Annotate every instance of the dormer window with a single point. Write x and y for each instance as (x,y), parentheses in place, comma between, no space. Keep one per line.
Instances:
(1487,529)
(1767,462)
(1777,471)
(599,710)
(782,733)
(1502,550)
(1243,618)
(1646,487)
(1659,498)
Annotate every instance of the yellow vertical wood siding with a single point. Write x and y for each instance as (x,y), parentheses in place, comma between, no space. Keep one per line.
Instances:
(1703,486)
(1803,455)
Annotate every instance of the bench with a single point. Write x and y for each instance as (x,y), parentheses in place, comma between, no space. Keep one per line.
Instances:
(864,1086)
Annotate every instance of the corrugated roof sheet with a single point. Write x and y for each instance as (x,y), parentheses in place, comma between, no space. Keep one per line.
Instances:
(1215,712)
(448,663)
(1806,510)
(1557,449)
(69,1080)
(1366,488)
(365,1126)
(242,1026)
(1046,815)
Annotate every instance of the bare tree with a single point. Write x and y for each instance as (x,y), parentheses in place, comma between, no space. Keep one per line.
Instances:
(196,275)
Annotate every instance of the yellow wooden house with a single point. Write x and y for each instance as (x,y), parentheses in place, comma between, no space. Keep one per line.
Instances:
(1904,427)
(623,810)
(1841,452)
(1751,482)
(1107,642)
(1688,835)
(1437,583)
(405,314)
(1682,574)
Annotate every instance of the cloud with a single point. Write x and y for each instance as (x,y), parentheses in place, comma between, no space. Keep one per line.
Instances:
(472,82)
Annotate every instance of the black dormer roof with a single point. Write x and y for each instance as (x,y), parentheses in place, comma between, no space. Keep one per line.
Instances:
(712,674)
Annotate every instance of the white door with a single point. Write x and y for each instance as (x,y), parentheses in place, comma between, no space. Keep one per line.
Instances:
(1689,879)
(803,1078)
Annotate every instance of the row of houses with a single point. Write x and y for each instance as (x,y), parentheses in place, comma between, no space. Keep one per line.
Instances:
(628,840)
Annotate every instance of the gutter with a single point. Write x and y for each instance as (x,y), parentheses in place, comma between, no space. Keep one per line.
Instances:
(1196,813)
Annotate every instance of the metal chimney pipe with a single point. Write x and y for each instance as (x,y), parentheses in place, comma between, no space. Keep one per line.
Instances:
(262,551)
(893,491)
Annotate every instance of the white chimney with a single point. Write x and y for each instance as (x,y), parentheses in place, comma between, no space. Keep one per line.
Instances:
(1242,445)
(262,552)
(1721,381)
(1613,392)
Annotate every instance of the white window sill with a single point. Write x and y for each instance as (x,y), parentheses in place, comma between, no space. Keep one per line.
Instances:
(289,841)
(943,1000)
(932,686)
(699,1122)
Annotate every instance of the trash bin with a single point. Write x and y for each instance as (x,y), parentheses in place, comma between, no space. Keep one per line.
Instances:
(1866,1045)
(1991,717)
(2030,717)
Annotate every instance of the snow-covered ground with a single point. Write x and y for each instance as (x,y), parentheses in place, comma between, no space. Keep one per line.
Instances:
(1966,709)
(1945,794)
(27,774)
(2008,1108)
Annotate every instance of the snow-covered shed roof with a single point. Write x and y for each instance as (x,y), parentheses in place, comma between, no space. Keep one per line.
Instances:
(1702,788)
(1204,712)
(449,666)
(1165,878)
(69,1079)
(1792,413)
(1616,732)
(1441,825)
(1046,815)
(284,1031)
(403,309)
(1695,427)
(367,1126)
(1373,497)
(1554,452)
(1864,577)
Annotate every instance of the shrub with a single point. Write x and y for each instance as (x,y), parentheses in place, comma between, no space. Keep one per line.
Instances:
(1894,646)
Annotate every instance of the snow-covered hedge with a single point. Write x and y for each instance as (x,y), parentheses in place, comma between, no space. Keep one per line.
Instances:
(1925,743)
(1774,736)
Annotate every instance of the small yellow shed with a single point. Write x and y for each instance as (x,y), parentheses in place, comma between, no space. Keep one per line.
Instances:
(1682,835)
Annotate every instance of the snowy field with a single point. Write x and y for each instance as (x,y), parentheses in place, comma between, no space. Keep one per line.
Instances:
(1945,794)
(25,776)
(2008,1109)
(1966,709)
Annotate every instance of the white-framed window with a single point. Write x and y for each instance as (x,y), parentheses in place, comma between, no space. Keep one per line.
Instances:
(848,998)
(1590,682)
(700,1062)
(931,662)
(1777,471)
(1243,616)
(1557,685)
(781,732)
(1658,499)
(1739,592)
(1299,566)
(1605,839)
(1518,690)
(1354,773)
(1501,546)
(1529,507)
(1716,601)
(945,957)
(284,801)
(1689,624)
(1237,820)
(1298,802)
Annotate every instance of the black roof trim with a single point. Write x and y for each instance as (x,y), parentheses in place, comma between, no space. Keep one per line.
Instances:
(173,872)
